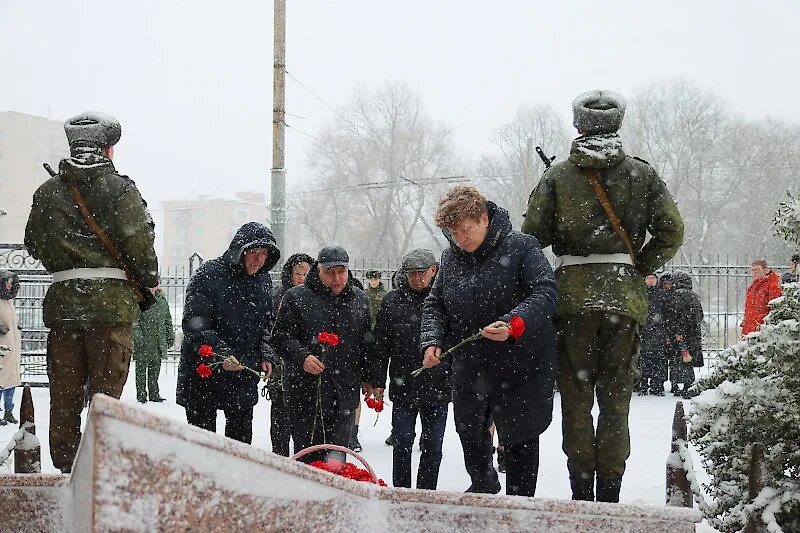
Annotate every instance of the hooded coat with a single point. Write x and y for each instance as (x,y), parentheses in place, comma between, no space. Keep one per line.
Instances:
(506,276)
(564,211)
(308,310)
(10,338)
(684,316)
(756,305)
(57,234)
(230,311)
(396,347)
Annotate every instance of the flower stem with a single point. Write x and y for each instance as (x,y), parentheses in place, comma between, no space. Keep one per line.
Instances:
(469,339)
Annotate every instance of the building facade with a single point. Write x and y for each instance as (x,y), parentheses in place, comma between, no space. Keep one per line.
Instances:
(26,141)
(206,225)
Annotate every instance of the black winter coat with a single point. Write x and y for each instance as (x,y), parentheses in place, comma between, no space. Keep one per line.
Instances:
(230,311)
(654,332)
(307,311)
(684,316)
(506,276)
(396,346)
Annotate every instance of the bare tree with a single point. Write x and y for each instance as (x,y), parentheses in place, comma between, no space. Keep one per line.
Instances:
(687,134)
(377,170)
(515,169)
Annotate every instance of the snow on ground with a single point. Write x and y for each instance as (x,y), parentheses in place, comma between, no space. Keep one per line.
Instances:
(644,481)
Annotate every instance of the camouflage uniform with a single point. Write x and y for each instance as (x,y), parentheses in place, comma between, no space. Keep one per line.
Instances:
(601,304)
(90,316)
(153,334)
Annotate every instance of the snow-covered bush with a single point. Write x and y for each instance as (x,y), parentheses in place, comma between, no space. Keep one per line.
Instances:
(753,395)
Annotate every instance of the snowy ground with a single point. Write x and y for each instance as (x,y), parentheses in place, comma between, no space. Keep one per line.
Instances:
(644,482)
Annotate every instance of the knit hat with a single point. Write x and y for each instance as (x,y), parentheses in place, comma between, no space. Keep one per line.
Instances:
(93,129)
(596,112)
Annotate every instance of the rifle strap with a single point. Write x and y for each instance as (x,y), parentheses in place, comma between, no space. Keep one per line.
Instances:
(104,239)
(600,192)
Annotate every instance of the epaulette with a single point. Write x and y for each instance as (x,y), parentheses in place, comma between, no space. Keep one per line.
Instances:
(127,178)
(642,160)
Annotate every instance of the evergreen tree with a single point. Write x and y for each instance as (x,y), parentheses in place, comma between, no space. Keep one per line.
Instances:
(753,395)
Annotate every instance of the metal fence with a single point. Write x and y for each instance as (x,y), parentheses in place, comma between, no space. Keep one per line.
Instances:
(721,285)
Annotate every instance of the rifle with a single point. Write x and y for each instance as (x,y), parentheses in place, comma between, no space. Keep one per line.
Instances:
(546,160)
(146,298)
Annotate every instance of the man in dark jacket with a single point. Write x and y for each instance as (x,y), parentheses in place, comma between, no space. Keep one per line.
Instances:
(396,346)
(491,274)
(653,357)
(322,379)
(91,305)
(293,274)
(229,307)
(582,207)
(153,334)
(684,319)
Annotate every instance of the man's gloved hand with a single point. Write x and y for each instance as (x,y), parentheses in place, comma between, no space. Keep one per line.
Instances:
(3,330)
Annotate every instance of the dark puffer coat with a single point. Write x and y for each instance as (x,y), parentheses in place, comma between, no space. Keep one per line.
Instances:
(307,311)
(396,346)
(506,276)
(654,332)
(230,311)
(684,316)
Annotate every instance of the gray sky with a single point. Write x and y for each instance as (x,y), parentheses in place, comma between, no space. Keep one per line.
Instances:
(191,81)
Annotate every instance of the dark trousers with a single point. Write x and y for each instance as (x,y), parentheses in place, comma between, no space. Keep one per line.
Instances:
(238,424)
(147,370)
(404,422)
(332,426)
(654,370)
(598,354)
(472,414)
(279,424)
(680,373)
(94,358)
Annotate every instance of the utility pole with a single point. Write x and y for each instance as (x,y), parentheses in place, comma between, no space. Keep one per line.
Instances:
(278,177)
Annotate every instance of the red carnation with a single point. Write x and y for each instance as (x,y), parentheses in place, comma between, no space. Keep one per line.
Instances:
(516,327)
(329,339)
(205,351)
(204,371)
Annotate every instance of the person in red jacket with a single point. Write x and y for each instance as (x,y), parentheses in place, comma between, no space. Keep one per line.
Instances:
(766,286)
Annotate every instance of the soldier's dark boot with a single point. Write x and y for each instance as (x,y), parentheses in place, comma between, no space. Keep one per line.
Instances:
(608,489)
(9,417)
(582,487)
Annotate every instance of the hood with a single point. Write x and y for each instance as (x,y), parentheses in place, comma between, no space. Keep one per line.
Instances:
(6,275)
(293,261)
(499,227)
(603,150)
(314,283)
(85,166)
(252,235)
(681,280)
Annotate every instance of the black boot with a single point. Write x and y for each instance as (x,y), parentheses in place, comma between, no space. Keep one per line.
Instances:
(390,440)
(9,417)
(583,487)
(354,444)
(608,489)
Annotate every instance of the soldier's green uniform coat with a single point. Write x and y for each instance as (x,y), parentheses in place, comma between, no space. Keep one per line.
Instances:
(564,212)
(58,235)
(374,299)
(153,334)
(601,305)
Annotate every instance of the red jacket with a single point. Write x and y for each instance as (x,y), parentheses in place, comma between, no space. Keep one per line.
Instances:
(759,294)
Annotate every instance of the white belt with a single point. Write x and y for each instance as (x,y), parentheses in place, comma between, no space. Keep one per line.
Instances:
(89,273)
(569,260)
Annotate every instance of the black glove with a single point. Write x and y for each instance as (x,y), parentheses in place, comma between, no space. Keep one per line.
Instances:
(3,330)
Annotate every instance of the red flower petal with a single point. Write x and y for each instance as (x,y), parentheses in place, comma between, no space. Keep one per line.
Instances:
(334,339)
(204,371)
(516,327)
(205,351)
